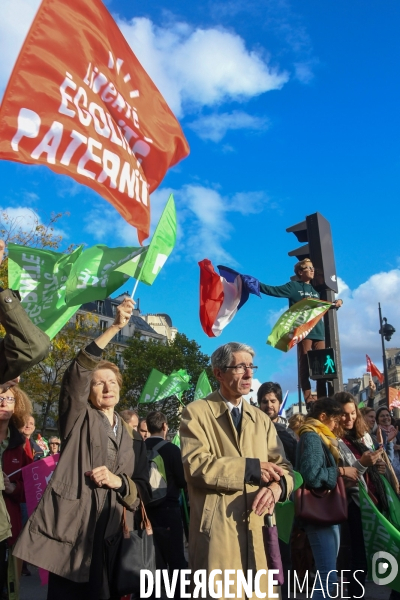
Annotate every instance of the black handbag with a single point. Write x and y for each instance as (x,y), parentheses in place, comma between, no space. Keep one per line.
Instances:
(127,552)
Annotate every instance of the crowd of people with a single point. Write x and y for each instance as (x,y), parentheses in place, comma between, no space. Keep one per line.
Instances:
(234,464)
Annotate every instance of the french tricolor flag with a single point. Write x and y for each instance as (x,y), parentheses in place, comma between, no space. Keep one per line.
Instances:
(221,296)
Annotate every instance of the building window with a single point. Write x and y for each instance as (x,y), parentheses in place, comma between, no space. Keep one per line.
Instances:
(103,325)
(100,306)
(114,309)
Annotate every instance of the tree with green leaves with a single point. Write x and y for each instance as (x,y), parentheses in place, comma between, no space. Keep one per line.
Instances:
(141,356)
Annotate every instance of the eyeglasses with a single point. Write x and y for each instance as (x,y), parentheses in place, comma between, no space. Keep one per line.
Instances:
(242,368)
(7,399)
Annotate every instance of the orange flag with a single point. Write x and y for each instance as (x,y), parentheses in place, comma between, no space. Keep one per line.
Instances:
(394,398)
(80,102)
(373,369)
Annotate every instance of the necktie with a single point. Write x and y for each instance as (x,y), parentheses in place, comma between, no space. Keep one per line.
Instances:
(236,417)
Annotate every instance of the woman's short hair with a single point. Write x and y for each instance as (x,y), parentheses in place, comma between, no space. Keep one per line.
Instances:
(380,410)
(360,427)
(296,421)
(22,407)
(301,264)
(222,356)
(329,406)
(365,410)
(105,364)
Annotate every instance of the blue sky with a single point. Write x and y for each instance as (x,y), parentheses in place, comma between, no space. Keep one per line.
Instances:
(289,108)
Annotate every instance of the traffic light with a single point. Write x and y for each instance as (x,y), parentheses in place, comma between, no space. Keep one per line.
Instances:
(322,364)
(316,232)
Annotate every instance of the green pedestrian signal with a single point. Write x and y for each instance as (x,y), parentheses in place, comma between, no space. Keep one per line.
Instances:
(322,364)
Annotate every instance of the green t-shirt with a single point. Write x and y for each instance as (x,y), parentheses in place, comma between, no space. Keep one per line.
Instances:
(296,291)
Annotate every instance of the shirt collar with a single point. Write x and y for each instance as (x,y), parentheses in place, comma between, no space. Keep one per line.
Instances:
(230,405)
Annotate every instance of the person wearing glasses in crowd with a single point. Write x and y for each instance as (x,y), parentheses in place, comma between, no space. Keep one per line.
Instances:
(234,466)
(54,445)
(296,291)
(15,409)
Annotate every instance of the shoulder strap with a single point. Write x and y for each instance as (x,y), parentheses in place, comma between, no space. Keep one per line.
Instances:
(159,445)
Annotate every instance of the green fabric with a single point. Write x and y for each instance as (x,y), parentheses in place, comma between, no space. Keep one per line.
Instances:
(41,276)
(152,387)
(284,512)
(174,385)
(298,314)
(379,536)
(161,246)
(160,466)
(394,504)
(296,291)
(177,440)
(94,276)
(203,387)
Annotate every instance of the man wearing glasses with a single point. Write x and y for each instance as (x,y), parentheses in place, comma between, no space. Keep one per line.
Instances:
(235,470)
(296,291)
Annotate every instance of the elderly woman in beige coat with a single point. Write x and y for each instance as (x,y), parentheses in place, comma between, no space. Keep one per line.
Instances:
(95,478)
(235,469)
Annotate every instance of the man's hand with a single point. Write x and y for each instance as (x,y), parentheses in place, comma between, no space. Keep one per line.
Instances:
(270,472)
(266,499)
(372,388)
(338,303)
(124,313)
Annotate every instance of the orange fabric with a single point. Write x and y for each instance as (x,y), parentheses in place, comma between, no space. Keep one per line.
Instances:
(394,398)
(80,102)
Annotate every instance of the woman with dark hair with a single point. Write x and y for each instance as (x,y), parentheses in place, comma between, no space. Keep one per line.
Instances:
(95,479)
(317,461)
(388,434)
(357,450)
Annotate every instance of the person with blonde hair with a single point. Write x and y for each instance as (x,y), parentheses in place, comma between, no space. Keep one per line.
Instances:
(295,291)
(295,422)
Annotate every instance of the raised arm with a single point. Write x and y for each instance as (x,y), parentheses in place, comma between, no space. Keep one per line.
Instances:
(75,387)
(279,291)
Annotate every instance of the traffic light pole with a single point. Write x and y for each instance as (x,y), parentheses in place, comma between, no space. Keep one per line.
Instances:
(332,341)
(385,370)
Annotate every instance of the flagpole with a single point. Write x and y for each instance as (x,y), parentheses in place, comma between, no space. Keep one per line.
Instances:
(135,286)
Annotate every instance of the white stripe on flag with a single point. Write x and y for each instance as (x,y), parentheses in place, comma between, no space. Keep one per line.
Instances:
(232,295)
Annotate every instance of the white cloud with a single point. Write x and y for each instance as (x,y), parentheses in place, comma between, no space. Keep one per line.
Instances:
(196,67)
(22,219)
(214,127)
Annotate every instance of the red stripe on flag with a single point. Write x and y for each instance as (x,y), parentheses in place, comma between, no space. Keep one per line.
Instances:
(211,296)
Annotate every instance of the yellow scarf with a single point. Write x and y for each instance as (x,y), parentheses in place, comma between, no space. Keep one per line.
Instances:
(324,433)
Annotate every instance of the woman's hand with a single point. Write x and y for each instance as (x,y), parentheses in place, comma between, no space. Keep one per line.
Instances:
(102,477)
(350,473)
(124,313)
(370,458)
(381,466)
(392,434)
(8,486)
(379,436)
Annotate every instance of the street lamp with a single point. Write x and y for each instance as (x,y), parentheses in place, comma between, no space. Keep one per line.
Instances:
(386,332)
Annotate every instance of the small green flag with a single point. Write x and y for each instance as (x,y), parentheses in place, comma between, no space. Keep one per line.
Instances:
(175,385)
(152,387)
(94,276)
(203,387)
(176,440)
(361,404)
(41,277)
(382,543)
(296,323)
(160,248)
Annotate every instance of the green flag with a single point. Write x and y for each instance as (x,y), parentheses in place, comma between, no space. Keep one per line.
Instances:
(152,387)
(382,542)
(361,404)
(394,504)
(160,248)
(174,385)
(296,323)
(203,387)
(41,277)
(94,275)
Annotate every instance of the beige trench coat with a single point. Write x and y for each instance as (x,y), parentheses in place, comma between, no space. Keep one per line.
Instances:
(224,532)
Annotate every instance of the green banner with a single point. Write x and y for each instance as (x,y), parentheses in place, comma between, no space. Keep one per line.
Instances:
(152,387)
(296,323)
(393,502)
(161,246)
(41,277)
(94,276)
(203,387)
(382,544)
(175,385)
